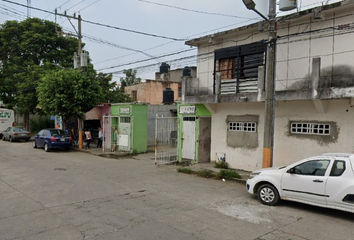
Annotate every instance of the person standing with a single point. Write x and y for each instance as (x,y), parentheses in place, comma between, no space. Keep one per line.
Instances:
(88,139)
(100,135)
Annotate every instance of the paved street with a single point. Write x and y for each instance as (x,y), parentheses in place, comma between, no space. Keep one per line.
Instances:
(77,195)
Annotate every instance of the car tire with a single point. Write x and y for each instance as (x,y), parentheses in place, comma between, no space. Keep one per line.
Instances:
(268,194)
(34,144)
(46,148)
(3,138)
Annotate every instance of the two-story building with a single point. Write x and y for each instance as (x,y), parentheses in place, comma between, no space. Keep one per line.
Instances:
(314,90)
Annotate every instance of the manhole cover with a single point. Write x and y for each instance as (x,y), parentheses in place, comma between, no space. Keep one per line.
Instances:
(60,169)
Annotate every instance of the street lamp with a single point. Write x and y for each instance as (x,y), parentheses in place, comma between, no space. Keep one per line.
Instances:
(268,140)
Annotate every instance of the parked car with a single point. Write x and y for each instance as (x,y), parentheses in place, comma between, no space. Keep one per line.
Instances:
(325,181)
(16,134)
(51,138)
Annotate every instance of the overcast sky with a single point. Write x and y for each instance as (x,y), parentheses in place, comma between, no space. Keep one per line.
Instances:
(138,32)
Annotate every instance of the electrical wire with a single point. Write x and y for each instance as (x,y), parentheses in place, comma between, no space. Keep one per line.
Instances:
(88,6)
(101,24)
(196,11)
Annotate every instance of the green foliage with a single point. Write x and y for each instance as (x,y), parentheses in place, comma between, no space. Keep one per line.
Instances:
(68,93)
(40,122)
(129,79)
(29,49)
(205,173)
(228,174)
(221,164)
(110,91)
(184,170)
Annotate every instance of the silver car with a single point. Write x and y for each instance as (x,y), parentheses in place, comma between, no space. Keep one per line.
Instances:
(16,134)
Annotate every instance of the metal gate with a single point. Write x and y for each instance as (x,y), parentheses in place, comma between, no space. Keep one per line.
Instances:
(166,133)
(123,124)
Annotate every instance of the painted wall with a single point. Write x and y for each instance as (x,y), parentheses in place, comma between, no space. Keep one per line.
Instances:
(138,131)
(299,41)
(238,158)
(200,111)
(288,148)
(151,91)
(339,112)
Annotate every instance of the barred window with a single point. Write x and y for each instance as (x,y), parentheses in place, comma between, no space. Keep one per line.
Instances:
(243,126)
(125,119)
(311,128)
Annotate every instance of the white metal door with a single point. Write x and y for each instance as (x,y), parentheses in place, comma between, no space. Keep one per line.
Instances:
(124,134)
(188,138)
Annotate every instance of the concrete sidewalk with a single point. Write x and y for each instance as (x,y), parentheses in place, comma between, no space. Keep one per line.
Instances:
(151,156)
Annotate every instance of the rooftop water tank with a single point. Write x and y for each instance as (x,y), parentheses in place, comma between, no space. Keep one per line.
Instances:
(168,96)
(164,68)
(186,72)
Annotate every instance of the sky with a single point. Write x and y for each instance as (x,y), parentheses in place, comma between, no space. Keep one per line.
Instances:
(141,34)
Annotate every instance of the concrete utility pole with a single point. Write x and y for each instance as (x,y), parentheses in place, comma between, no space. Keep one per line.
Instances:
(80,122)
(268,140)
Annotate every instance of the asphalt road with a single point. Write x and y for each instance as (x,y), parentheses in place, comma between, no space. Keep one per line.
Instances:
(76,195)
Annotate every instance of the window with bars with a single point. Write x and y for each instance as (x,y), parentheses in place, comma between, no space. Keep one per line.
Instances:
(310,128)
(243,126)
(125,119)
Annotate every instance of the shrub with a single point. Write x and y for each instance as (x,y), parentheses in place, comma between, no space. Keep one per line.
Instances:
(205,173)
(184,170)
(40,122)
(228,174)
(221,164)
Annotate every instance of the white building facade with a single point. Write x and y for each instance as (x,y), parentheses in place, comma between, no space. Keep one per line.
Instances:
(314,108)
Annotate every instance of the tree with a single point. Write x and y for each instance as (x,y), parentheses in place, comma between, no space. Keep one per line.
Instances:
(110,91)
(68,93)
(29,49)
(129,79)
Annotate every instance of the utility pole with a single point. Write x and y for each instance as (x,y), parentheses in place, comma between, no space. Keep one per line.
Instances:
(268,140)
(81,123)
(77,59)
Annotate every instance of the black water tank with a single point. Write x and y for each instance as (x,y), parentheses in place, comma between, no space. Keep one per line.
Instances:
(186,72)
(168,96)
(164,68)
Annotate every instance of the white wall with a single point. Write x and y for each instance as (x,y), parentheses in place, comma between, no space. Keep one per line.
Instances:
(287,149)
(239,158)
(299,42)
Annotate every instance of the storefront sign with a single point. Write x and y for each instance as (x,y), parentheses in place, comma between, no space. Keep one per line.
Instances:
(187,109)
(125,110)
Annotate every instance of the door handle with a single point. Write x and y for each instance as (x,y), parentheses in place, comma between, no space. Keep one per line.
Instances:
(319,181)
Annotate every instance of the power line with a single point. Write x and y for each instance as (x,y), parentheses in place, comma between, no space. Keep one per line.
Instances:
(144,60)
(196,11)
(64,4)
(88,6)
(104,25)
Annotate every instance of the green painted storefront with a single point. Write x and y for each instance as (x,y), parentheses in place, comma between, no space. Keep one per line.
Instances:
(132,123)
(194,131)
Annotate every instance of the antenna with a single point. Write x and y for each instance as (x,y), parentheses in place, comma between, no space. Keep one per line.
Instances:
(28,8)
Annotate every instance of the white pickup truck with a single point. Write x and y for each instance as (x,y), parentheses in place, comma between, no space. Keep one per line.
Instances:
(7,119)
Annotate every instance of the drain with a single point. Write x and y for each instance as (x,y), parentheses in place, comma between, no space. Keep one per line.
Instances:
(60,169)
